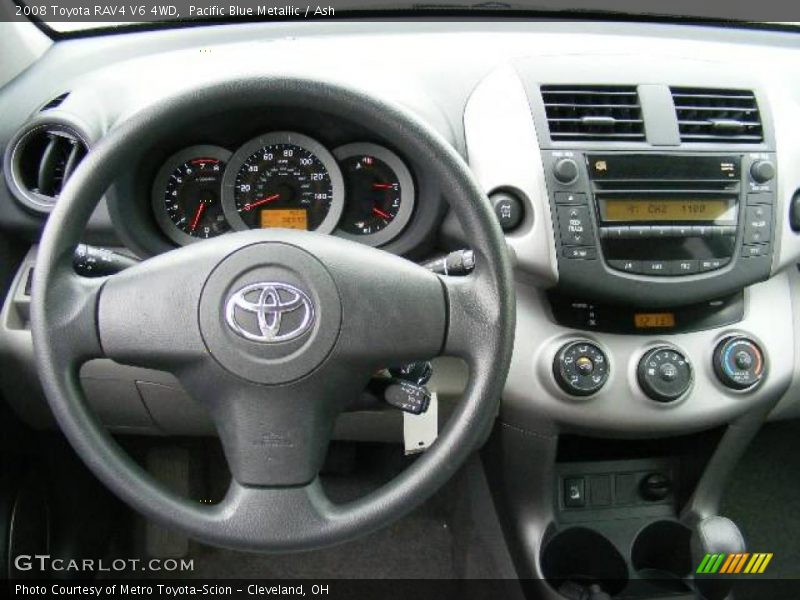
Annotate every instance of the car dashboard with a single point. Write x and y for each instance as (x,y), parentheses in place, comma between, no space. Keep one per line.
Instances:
(645,176)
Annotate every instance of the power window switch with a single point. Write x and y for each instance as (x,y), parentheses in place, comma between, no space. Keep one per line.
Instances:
(575,492)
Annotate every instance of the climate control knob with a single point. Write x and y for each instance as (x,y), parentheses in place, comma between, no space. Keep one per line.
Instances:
(580,368)
(664,374)
(739,362)
(565,170)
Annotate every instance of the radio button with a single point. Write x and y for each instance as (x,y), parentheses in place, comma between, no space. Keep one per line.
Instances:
(703,230)
(565,170)
(639,231)
(629,266)
(762,171)
(758,224)
(575,225)
(767,198)
(712,264)
(685,267)
(683,231)
(755,250)
(656,267)
(660,231)
(570,198)
(580,252)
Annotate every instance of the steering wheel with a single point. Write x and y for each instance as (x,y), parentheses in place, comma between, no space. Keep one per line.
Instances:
(344,310)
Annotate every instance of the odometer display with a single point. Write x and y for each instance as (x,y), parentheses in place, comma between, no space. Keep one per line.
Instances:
(283,180)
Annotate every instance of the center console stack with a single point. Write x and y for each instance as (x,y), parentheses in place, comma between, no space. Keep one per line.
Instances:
(630,225)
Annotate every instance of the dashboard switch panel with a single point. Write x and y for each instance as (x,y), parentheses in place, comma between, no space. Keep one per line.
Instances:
(665,374)
(739,363)
(581,368)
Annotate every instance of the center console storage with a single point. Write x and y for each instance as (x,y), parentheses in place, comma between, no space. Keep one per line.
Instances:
(617,530)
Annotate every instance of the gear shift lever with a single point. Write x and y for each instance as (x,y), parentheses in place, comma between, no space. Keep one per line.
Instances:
(715,535)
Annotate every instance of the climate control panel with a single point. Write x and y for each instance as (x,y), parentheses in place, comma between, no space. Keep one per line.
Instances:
(664,373)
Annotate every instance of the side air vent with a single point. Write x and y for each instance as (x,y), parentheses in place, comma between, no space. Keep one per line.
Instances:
(586,113)
(55,102)
(714,115)
(40,160)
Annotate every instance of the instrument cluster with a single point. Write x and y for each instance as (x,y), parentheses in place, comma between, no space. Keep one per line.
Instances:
(360,191)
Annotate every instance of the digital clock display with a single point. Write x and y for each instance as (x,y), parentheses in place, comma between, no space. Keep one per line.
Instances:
(653,320)
(667,209)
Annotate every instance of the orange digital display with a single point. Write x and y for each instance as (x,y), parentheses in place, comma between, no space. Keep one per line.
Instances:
(695,209)
(287,218)
(653,320)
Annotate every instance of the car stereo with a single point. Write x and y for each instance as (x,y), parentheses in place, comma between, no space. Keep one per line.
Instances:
(643,219)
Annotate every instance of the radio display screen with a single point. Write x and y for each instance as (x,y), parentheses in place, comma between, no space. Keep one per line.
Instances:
(634,210)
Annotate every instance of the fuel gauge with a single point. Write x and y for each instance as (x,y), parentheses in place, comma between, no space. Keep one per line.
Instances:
(379,193)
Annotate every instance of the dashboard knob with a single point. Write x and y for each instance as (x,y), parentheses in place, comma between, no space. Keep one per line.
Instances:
(580,368)
(565,170)
(762,171)
(655,486)
(664,374)
(739,362)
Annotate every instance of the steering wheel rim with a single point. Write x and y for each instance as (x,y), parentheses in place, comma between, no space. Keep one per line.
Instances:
(266,508)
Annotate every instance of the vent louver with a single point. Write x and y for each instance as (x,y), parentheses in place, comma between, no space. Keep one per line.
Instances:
(715,115)
(586,113)
(41,162)
(55,102)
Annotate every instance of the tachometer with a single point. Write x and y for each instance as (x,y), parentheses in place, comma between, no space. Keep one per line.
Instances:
(187,194)
(380,193)
(283,179)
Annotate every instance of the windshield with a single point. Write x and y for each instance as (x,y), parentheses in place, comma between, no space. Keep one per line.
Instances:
(70,16)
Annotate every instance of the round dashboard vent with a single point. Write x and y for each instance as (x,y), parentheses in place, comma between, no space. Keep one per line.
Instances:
(40,160)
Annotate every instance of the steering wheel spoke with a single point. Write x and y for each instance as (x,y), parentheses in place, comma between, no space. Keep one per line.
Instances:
(472,316)
(72,305)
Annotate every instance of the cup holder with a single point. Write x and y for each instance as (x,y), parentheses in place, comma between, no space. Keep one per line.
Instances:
(661,554)
(580,556)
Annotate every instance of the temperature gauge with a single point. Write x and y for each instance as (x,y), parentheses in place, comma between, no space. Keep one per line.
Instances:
(379,193)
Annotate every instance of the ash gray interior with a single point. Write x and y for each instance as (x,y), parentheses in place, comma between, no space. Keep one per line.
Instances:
(615,466)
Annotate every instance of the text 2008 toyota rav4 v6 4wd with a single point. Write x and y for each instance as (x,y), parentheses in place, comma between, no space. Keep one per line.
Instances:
(407,301)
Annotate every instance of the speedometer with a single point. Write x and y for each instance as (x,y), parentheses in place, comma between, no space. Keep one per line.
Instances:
(283,179)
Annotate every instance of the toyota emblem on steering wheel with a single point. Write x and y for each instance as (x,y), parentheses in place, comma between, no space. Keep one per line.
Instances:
(269,312)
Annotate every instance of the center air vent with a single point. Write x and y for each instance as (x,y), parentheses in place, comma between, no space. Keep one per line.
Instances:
(586,113)
(40,160)
(714,115)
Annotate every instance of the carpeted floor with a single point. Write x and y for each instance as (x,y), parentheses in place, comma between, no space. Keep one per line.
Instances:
(763,497)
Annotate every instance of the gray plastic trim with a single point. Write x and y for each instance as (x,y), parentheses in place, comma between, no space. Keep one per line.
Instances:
(503,153)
